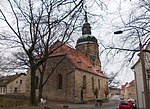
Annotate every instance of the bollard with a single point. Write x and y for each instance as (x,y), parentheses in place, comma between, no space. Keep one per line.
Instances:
(96,104)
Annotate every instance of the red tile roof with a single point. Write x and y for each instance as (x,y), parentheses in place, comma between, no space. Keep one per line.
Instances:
(79,60)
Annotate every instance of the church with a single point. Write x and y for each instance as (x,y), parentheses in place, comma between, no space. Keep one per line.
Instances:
(78,76)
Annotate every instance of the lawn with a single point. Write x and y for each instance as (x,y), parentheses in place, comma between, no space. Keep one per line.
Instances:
(10,102)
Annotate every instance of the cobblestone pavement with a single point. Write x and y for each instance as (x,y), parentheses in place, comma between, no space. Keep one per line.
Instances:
(61,105)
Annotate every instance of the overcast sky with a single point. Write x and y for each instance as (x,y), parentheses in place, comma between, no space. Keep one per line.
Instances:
(103,30)
(106,36)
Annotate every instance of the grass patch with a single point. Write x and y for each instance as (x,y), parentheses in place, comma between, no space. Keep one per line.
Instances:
(9,102)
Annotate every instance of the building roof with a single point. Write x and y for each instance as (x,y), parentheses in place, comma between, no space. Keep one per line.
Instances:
(5,80)
(123,86)
(146,50)
(86,39)
(128,84)
(86,33)
(132,83)
(79,60)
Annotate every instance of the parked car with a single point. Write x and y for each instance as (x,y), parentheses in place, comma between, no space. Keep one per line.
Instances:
(133,103)
(124,104)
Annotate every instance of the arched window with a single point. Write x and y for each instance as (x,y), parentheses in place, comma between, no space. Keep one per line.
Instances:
(59,81)
(98,84)
(92,84)
(84,82)
(36,82)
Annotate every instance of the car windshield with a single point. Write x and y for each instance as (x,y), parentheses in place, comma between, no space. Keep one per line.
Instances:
(124,102)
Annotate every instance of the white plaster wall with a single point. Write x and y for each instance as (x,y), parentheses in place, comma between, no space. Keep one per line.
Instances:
(140,86)
(16,83)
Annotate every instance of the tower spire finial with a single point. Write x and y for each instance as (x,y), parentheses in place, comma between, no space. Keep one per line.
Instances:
(86,20)
(86,28)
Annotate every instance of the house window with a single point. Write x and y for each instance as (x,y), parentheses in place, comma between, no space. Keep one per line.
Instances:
(59,78)
(84,82)
(15,90)
(148,73)
(20,81)
(16,81)
(92,84)
(98,84)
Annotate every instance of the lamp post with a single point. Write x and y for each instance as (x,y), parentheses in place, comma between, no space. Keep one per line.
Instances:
(143,70)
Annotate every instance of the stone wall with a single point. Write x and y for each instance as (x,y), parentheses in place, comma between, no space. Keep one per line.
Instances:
(72,82)
(88,92)
(66,69)
(90,49)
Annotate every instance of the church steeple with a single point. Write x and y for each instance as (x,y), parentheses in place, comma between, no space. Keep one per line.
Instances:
(86,33)
(86,28)
(88,44)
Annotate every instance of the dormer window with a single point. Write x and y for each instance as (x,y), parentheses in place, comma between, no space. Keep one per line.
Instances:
(92,58)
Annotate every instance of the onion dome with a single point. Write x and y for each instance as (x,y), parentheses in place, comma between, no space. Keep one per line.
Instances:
(86,33)
(87,39)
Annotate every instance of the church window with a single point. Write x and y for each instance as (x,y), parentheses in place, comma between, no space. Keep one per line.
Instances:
(84,82)
(98,84)
(92,84)
(36,82)
(60,81)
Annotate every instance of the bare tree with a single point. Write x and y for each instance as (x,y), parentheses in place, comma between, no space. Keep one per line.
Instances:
(113,81)
(36,26)
(134,29)
(44,78)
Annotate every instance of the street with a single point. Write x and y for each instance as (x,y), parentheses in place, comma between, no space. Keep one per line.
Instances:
(113,104)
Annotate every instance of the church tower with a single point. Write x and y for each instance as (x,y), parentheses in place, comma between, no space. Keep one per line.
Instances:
(88,44)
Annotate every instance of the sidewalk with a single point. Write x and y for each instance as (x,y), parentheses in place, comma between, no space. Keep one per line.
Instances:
(60,105)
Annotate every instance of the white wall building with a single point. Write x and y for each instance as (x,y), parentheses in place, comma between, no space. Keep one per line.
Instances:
(13,84)
(137,68)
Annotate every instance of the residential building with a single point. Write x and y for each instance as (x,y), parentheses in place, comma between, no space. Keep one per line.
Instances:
(137,68)
(13,84)
(129,90)
(123,91)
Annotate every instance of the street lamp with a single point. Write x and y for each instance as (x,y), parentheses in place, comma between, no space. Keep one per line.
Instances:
(143,69)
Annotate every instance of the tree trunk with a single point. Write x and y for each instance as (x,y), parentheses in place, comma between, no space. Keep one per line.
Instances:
(33,88)
(41,86)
